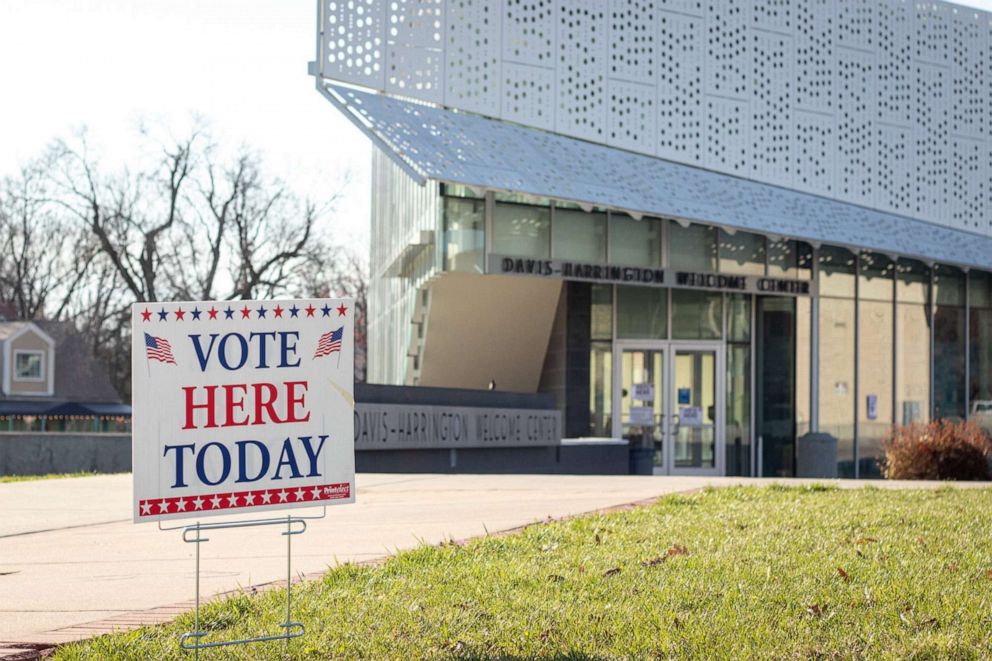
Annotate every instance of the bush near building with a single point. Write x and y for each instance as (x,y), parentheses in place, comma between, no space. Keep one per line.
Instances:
(939,450)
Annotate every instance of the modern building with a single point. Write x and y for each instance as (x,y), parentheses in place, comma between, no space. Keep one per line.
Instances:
(707,226)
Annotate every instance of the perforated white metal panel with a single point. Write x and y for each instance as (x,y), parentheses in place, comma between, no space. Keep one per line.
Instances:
(468,149)
(581,62)
(883,103)
(472,52)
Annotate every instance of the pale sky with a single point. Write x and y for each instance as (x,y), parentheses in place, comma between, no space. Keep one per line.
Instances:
(241,63)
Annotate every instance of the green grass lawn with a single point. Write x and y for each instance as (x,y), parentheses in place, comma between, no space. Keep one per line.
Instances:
(729,573)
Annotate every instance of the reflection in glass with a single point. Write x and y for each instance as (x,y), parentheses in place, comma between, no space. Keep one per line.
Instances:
(912,342)
(980,388)
(694,383)
(804,377)
(579,235)
(948,343)
(635,242)
(600,389)
(874,383)
(522,231)
(837,272)
(642,408)
(464,234)
(877,272)
(739,317)
(791,260)
(692,248)
(742,253)
(738,422)
(836,382)
(696,315)
(642,313)
(601,313)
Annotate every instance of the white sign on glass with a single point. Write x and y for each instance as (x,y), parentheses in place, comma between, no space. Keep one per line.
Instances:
(691,416)
(642,416)
(643,392)
(241,406)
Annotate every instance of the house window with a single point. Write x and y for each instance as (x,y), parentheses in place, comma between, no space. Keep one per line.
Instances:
(29,365)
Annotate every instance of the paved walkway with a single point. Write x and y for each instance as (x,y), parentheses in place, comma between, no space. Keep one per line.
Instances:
(72,565)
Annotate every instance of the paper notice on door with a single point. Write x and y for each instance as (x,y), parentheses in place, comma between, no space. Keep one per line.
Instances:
(643,392)
(691,416)
(641,416)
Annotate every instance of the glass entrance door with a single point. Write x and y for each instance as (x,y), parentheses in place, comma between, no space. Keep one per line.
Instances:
(641,395)
(695,420)
(670,401)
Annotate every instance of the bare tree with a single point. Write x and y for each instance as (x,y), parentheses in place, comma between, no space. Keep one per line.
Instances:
(82,242)
(43,263)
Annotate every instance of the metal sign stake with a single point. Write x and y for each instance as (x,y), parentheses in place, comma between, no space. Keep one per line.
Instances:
(295,525)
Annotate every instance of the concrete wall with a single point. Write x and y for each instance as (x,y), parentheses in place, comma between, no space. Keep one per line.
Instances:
(582,459)
(38,453)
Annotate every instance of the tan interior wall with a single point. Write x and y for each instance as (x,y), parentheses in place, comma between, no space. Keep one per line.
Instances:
(488,327)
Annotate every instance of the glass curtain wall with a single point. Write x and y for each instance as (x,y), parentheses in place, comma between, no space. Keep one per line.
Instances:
(464,233)
(876,292)
(635,242)
(601,361)
(838,288)
(738,418)
(579,235)
(949,343)
(912,342)
(521,230)
(980,348)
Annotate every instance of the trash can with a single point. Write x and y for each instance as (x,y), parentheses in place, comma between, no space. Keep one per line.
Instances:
(816,455)
(641,460)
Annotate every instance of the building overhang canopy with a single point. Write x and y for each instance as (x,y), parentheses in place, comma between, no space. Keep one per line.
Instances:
(444,145)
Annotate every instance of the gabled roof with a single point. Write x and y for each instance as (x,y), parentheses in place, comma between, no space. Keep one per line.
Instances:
(434,143)
(79,377)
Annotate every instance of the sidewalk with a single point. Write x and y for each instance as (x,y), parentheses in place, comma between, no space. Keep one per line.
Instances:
(72,565)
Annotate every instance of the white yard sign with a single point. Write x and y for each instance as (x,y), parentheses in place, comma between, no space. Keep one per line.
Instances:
(242,406)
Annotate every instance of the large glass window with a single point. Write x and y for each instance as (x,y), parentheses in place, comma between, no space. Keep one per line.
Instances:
(876,290)
(642,313)
(742,253)
(635,242)
(600,389)
(948,343)
(601,313)
(980,322)
(696,315)
(28,365)
(838,272)
(521,230)
(790,260)
(738,418)
(692,248)
(464,234)
(579,235)
(912,342)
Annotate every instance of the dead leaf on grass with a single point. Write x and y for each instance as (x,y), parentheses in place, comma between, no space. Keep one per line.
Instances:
(654,562)
(556,578)
(612,572)
(678,549)
(816,610)
(865,540)
(598,540)
(843,574)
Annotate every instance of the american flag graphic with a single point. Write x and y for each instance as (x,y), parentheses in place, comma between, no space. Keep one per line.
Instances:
(329,343)
(158,348)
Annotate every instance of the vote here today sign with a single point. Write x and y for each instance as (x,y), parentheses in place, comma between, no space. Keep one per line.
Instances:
(242,406)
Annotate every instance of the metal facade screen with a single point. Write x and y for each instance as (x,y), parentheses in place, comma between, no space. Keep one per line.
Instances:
(879,103)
